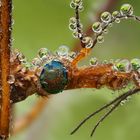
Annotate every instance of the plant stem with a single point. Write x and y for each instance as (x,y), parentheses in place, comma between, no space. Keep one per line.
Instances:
(5,36)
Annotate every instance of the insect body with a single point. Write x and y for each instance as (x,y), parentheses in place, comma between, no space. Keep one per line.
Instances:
(53,77)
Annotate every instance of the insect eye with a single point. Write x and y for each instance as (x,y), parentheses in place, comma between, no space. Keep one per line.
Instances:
(53,77)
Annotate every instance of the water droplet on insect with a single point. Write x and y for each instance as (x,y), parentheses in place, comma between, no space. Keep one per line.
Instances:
(117,20)
(88,41)
(126,9)
(11,79)
(43,52)
(63,50)
(106,17)
(123,66)
(135,63)
(100,39)
(115,14)
(93,61)
(96,27)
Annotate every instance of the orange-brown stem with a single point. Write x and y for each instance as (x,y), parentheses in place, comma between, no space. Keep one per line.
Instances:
(25,121)
(5,35)
(98,76)
(83,53)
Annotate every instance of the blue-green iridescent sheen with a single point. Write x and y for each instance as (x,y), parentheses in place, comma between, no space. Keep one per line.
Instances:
(53,77)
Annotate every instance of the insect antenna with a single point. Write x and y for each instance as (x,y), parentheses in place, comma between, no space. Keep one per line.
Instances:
(115,103)
(105,116)
(130,92)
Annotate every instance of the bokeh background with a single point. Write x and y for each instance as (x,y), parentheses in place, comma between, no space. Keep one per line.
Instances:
(44,23)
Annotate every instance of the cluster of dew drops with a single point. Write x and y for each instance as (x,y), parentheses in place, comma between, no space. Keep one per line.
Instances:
(100,28)
(45,56)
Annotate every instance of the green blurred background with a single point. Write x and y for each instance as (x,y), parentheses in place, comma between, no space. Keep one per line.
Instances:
(44,23)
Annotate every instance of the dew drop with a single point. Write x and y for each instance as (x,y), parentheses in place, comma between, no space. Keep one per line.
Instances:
(11,79)
(115,14)
(73,5)
(11,101)
(72,54)
(80,25)
(105,62)
(123,102)
(21,57)
(93,61)
(110,24)
(12,22)
(44,58)
(36,62)
(75,34)
(43,52)
(77,1)
(106,17)
(117,20)
(63,50)
(81,8)
(135,63)
(123,66)
(126,9)
(100,39)
(72,27)
(88,41)
(72,20)
(105,31)
(28,65)
(96,27)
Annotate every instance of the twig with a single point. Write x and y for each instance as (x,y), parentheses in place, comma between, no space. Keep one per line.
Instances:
(5,35)
(25,121)
(77,16)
